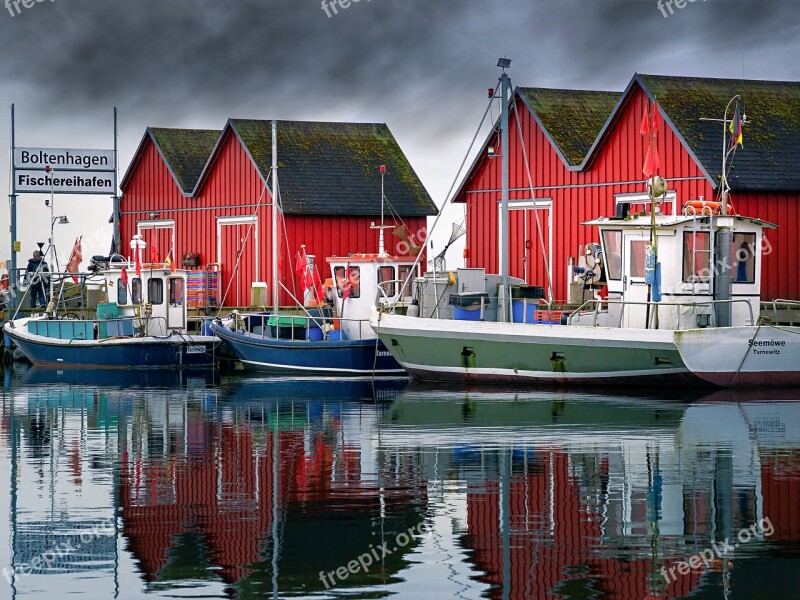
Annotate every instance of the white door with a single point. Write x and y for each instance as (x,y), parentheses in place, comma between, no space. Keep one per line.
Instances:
(176,303)
(634,287)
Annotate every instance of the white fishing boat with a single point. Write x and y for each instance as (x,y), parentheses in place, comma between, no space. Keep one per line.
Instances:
(142,324)
(683,306)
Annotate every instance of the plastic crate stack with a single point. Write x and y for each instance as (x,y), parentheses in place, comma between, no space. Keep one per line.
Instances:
(202,290)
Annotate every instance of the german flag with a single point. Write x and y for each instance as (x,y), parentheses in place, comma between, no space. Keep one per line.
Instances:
(735,129)
(170,261)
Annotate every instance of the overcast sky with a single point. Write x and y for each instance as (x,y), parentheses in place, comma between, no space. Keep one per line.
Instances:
(421,66)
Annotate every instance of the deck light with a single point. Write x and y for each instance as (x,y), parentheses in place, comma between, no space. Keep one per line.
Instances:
(504,63)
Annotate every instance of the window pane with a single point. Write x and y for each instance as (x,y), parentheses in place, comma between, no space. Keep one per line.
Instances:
(743,254)
(136,290)
(122,293)
(612,246)
(338,273)
(404,272)
(637,258)
(355,282)
(176,291)
(387,274)
(155,291)
(696,256)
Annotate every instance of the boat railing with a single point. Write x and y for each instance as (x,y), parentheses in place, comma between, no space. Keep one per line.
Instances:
(301,327)
(787,304)
(598,304)
(383,298)
(99,329)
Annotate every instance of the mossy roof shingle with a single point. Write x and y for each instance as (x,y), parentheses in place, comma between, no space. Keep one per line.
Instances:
(333,168)
(770,158)
(185,151)
(572,118)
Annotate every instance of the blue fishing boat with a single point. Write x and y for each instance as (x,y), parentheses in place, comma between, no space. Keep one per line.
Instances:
(334,339)
(143,325)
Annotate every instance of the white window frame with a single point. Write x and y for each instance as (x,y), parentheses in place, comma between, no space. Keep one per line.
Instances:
(527,204)
(159,224)
(671,197)
(239,220)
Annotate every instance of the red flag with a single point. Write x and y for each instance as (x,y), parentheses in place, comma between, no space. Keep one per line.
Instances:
(138,259)
(656,119)
(153,253)
(301,267)
(645,128)
(649,129)
(300,264)
(170,261)
(317,283)
(123,276)
(75,258)
(346,288)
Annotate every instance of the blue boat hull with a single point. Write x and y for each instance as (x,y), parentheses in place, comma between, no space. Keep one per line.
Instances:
(339,358)
(135,353)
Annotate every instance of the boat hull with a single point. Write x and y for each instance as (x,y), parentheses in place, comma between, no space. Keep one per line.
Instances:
(751,356)
(336,358)
(176,351)
(484,352)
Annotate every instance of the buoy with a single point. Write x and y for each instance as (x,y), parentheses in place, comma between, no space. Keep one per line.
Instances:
(705,207)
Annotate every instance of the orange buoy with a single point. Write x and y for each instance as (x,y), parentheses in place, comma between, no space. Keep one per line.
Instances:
(705,207)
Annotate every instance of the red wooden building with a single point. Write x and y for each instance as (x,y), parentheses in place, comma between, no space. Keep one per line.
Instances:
(586,153)
(207,193)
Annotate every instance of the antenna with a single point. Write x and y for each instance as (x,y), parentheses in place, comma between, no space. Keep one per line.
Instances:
(381,249)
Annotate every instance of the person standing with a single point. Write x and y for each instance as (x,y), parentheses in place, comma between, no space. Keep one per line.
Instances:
(38,278)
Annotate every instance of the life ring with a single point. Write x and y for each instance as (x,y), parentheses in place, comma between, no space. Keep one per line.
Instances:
(705,207)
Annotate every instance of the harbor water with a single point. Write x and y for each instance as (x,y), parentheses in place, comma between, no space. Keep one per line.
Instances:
(181,485)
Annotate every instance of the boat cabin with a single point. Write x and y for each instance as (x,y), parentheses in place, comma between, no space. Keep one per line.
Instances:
(357,278)
(704,270)
(159,296)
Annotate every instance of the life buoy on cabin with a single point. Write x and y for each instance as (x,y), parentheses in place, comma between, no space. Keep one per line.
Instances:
(705,207)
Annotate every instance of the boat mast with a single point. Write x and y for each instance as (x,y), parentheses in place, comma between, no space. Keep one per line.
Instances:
(505,85)
(381,245)
(275,277)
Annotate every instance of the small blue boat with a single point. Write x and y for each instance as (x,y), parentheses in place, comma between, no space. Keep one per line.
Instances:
(333,340)
(142,326)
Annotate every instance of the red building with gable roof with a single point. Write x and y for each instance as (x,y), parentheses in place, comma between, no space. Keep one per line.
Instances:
(207,193)
(586,152)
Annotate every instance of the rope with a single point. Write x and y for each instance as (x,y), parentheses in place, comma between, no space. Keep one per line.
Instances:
(535,210)
(450,191)
(246,237)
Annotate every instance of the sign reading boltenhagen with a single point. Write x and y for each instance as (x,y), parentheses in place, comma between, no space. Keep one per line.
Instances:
(73,171)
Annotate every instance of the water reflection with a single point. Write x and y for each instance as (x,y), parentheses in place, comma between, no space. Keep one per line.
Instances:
(251,487)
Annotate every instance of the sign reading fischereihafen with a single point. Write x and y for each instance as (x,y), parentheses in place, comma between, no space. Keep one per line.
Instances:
(64,182)
(73,171)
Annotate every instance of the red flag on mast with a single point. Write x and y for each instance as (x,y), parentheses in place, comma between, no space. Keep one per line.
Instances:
(649,129)
(75,258)
(123,276)
(138,259)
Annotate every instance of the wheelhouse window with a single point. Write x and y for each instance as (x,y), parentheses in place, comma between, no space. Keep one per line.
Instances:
(155,291)
(136,290)
(637,265)
(404,271)
(122,292)
(387,274)
(744,257)
(176,291)
(612,247)
(348,280)
(696,256)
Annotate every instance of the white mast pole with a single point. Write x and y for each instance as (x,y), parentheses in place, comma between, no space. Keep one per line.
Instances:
(275,277)
(505,83)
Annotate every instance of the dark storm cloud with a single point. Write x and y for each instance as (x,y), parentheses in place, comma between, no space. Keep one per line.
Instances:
(184,55)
